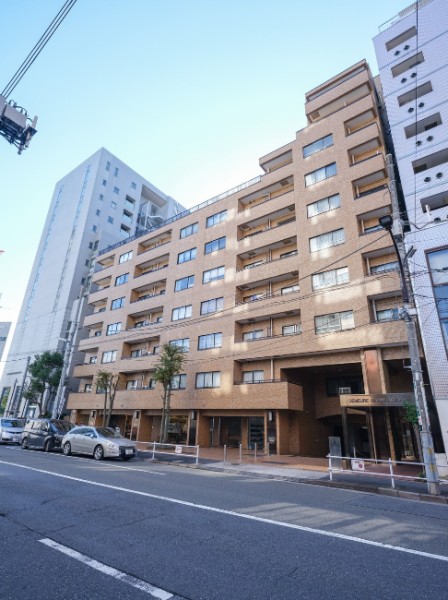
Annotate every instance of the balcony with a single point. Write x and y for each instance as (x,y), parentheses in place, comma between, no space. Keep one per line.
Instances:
(271,346)
(269,270)
(277,159)
(99,297)
(154,243)
(269,236)
(95,320)
(365,150)
(267,193)
(371,183)
(85,370)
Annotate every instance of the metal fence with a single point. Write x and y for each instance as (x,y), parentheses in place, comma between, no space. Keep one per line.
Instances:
(174,450)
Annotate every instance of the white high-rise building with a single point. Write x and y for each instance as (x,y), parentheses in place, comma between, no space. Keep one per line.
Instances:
(98,204)
(412,54)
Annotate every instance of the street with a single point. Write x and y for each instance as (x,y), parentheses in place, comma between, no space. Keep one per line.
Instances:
(74,528)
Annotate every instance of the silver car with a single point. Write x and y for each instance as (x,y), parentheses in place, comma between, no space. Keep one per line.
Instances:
(99,442)
(11,430)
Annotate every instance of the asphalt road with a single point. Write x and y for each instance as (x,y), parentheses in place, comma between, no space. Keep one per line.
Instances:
(75,529)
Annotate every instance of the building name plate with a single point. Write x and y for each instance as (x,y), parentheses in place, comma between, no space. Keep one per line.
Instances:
(372,400)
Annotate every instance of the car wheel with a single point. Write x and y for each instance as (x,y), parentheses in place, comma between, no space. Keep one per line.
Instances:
(98,453)
(48,446)
(67,449)
(126,457)
(24,443)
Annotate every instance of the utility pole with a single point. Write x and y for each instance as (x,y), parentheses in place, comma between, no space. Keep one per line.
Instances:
(393,225)
(23,387)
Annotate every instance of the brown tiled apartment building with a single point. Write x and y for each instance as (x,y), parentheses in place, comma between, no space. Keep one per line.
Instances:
(284,292)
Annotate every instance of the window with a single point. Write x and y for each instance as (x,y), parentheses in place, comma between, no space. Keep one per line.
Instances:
(138,352)
(211,306)
(389,266)
(215,245)
(324,205)
(98,212)
(317,146)
(113,328)
(94,228)
(92,360)
(438,263)
(388,314)
(117,303)
(110,219)
(424,125)
(326,240)
(400,39)
(213,274)
(330,278)
(101,197)
(179,382)
(108,166)
(184,283)
(104,182)
(182,344)
(430,161)
(115,171)
(189,230)
(253,376)
(335,384)
(109,356)
(133,185)
(121,279)
(95,245)
(216,218)
(210,340)
(290,288)
(116,190)
(407,64)
(291,329)
(417,92)
(255,334)
(113,204)
(287,254)
(211,379)
(186,256)
(87,388)
(320,174)
(334,322)
(181,312)
(131,384)
(124,257)
(152,384)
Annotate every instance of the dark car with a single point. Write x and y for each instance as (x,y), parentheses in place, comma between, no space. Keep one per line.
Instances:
(44,434)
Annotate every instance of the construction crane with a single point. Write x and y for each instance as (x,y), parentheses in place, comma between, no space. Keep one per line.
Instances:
(15,125)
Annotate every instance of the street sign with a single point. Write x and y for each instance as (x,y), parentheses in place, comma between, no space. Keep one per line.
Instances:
(358,465)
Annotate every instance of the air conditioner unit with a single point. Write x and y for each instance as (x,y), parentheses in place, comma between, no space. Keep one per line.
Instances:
(345,390)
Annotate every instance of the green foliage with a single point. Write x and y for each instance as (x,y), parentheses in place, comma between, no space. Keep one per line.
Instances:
(171,360)
(411,413)
(107,382)
(45,373)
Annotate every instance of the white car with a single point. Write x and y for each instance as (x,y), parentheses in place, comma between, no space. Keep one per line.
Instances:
(11,430)
(99,442)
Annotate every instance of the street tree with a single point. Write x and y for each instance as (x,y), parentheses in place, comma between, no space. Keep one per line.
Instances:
(45,374)
(107,382)
(171,360)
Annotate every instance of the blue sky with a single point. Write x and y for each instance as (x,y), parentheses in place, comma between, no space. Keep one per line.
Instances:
(189,93)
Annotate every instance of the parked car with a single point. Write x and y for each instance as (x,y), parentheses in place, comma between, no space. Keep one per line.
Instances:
(11,430)
(45,434)
(100,442)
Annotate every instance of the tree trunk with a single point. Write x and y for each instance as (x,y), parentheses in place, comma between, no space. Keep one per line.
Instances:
(167,413)
(105,409)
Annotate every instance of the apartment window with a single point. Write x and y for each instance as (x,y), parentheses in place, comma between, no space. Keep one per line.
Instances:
(334,322)
(317,146)
(211,379)
(255,334)
(216,218)
(137,353)
(400,39)
(124,257)
(181,312)
(324,205)
(92,360)
(179,382)
(407,64)
(438,263)
(108,166)
(94,228)
(116,190)
(320,174)
(121,279)
(101,197)
(326,240)
(189,230)
(113,328)
(133,185)
(124,231)
(152,384)
(117,303)
(116,172)
(95,245)
(331,278)
(423,125)
(211,306)
(215,245)
(87,388)
(98,212)
(388,314)
(253,376)
(184,283)
(104,182)
(210,340)
(383,268)
(110,219)
(213,274)
(336,384)
(183,344)
(288,254)
(415,93)
(109,356)
(290,288)
(87,263)
(430,161)
(291,329)
(186,256)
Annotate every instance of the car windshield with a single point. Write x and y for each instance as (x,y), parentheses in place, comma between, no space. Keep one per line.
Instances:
(62,426)
(107,432)
(11,423)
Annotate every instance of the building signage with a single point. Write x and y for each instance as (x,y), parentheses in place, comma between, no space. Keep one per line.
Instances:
(372,400)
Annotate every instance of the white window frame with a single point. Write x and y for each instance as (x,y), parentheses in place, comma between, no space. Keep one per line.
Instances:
(212,302)
(331,278)
(213,274)
(209,341)
(178,284)
(321,174)
(109,356)
(317,145)
(323,205)
(339,321)
(327,240)
(181,312)
(188,230)
(186,255)
(113,328)
(208,379)
(256,376)
(218,217)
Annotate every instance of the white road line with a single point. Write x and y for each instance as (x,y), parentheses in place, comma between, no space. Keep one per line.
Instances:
(153,591)
(231,513)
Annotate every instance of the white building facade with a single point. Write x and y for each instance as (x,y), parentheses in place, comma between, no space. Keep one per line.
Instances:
(412,54)
(98,204)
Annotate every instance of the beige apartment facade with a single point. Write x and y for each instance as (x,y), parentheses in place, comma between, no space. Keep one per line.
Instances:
(284,293)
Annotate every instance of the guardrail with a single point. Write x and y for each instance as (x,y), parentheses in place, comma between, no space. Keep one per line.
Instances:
(362,466)
(170,449)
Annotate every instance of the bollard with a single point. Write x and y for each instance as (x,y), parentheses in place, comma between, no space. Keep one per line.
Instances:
(225,452)
(391,469)
(241,452)
(255,452)
(329,467)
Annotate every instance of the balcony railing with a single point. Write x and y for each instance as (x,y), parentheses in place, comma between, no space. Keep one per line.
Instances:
(285,222)
(151,271)
(383,186)
(266,262)
(146,296)
(264,296)
(270,336)
(260,381)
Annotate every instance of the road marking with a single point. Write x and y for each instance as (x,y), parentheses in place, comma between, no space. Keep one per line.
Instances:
(153,591)
(222,511)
